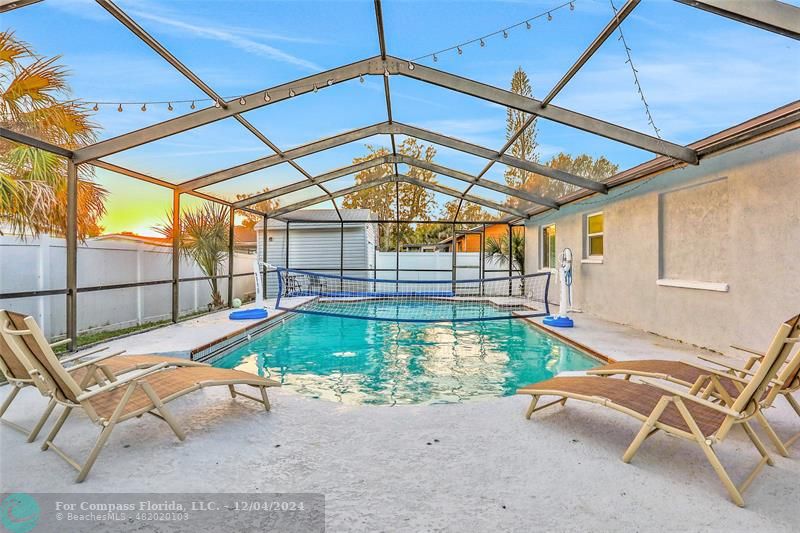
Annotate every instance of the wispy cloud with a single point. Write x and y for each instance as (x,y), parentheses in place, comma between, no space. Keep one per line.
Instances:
(234,37)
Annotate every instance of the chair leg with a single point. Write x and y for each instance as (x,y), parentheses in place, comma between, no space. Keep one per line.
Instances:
(773,437)
(712,458)
(265,398)
(232,391)
(757,443)
(163,411)
(101,440)
(56,428)
(531,407)
(647,429)
(8,400)
(42,419)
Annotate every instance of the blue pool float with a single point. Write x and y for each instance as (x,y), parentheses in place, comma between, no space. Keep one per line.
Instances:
(248,314)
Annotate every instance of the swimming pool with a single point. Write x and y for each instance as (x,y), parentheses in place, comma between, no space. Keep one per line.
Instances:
(377,362)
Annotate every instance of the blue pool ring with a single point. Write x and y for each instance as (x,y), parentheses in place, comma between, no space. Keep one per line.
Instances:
(248,314)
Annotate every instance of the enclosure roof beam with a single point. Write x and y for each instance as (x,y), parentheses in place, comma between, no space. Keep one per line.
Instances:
(473,180)
(321,178)
(27,140)
(312,201)
(458,194)
(612,25)
(153,43)
(770,15)
(211,114)
(300,151)
(10,5)
(534,106)
(487,153)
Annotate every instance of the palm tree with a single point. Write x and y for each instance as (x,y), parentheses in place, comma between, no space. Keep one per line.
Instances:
(33,184)
(203,238)
(497,250)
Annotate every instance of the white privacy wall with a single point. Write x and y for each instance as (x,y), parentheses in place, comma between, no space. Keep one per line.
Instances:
(708,254)
(39,264)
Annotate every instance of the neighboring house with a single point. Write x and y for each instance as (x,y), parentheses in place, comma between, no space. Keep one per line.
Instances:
(316,242)
(244,239)
(470,240)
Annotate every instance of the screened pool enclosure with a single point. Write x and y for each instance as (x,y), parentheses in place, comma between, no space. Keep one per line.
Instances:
(311,188)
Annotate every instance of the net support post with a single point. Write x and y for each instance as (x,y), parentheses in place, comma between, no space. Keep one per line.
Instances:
(453,260)
(510,259)
(71,239)
(264,243)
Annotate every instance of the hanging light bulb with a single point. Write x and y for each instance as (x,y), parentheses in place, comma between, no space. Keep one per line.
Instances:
(361,78)
(482,43)
(528,24)
(96,107)
(217,104)
(549,17)
(119,108)
(505,34)
(410,65)
(291,92)
(192,106)
(460,51)
(435,59)
(242,101)
(144,106)
(329,82)
(266,96)
(572,6)
(315,88)
(169,107)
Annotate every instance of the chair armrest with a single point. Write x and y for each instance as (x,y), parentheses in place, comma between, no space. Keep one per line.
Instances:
(719,373)
(93,361)
(672,391)
(60,343)
(746,371)
(747,350)
(127,378)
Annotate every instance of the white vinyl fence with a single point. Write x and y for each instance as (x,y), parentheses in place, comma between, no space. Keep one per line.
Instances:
(40,264)
(424,266)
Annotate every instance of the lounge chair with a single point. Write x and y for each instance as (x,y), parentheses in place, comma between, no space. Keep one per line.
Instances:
(131,395)
(722,384)
(95,370)
(679,412)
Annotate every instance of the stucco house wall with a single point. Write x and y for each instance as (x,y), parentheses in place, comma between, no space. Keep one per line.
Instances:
(729,227)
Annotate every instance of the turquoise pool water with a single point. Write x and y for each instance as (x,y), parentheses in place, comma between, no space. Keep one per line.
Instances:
(375,362)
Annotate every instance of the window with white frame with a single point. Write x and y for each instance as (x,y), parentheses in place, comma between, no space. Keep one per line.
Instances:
(549,246)
(593,245)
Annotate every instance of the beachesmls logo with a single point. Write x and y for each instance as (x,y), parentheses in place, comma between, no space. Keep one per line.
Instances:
(20,512)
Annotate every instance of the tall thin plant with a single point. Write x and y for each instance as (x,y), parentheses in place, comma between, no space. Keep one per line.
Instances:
(203,237)
(498,250)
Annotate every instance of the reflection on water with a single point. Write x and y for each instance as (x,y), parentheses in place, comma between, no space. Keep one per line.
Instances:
(364,361)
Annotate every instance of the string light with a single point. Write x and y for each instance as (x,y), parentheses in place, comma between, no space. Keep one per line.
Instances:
(266,96)
(144,107)
(410,65)
(361,77)
(96,108)
(119,109)
(192,106)
(242,101)
(169,107)
(217,104)
(635,73)
(315,88)
(291,92)
(505,32)
(330,81)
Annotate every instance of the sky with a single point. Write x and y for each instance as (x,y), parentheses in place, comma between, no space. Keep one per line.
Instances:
(699,72)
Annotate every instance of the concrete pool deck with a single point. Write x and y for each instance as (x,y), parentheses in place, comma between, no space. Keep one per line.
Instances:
(474,466)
